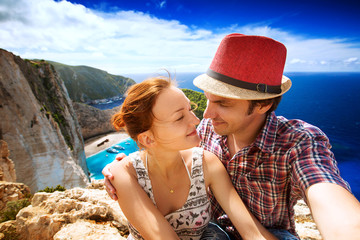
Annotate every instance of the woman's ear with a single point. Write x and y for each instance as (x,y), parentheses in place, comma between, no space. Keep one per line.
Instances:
(146,139)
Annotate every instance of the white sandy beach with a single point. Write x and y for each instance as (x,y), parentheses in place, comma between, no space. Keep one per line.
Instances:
(91,145)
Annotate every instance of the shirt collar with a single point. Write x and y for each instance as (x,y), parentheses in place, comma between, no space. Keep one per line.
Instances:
(265,141)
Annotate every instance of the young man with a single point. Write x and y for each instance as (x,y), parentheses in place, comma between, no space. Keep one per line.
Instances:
(272,161)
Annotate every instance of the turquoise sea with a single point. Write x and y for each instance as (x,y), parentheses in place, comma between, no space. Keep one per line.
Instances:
(330,101)
(98,161)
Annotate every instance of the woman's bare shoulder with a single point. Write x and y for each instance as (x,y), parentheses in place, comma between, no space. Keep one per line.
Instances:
(210,157)
(212,166)
(125,166)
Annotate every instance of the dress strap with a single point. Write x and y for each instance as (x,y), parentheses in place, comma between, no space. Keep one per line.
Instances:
(146,162)
(187,170)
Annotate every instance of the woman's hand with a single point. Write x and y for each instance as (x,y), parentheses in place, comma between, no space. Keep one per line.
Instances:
(109,176)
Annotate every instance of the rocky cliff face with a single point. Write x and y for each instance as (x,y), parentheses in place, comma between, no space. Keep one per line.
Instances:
(7,168)
(93,121)
(39,124)
(9,190)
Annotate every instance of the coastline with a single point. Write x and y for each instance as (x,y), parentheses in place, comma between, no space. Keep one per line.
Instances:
(91,145)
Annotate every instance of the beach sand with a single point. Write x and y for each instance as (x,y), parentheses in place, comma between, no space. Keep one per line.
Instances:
(91,145)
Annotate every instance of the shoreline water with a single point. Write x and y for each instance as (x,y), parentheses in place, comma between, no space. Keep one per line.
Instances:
(91,145)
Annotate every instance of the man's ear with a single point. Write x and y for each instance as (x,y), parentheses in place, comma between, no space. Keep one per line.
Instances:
(146,139)
(262,108)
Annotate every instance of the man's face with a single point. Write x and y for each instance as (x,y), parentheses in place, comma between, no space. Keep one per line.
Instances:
(229,116)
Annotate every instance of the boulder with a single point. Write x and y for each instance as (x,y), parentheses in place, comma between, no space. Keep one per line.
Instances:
(304,223)
(89,230)
(8,230)
(50,213)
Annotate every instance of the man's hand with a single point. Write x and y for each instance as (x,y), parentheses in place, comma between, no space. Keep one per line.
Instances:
(108,176)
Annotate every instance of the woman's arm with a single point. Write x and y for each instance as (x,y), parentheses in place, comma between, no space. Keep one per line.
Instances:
(136,205)
(221,186)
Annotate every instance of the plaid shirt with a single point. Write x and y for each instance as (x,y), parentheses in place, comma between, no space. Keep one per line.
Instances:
(272,174)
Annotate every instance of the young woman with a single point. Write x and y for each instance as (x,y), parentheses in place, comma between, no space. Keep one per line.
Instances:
(163,189)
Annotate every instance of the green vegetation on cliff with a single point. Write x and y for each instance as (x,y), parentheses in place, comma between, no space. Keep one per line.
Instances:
(52,189)
(48,88)
(199,99)
(86,83)
(13,207)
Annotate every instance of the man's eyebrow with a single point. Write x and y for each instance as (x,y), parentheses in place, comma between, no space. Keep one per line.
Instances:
(220,101)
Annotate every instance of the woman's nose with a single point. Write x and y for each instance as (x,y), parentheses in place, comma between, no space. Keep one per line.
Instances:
(195,119)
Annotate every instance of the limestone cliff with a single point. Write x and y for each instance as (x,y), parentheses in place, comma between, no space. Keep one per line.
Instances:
(39,124)
(93,121)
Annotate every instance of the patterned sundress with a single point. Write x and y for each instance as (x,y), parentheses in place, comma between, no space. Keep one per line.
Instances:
(190,221)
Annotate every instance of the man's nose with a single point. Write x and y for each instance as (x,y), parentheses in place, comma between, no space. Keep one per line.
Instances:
(209,111)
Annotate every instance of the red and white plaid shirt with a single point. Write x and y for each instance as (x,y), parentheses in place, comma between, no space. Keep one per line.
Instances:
(272,174)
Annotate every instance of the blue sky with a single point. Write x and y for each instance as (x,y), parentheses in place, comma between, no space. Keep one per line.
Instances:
(124,37)
(313,18)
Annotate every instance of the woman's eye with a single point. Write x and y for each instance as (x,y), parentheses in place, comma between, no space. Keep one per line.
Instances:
(179,119)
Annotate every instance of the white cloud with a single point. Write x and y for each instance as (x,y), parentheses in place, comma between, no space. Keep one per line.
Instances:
(296,61)
(131,42)
(351,60)
(162,4)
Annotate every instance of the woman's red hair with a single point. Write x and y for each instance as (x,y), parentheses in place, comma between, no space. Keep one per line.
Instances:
(135,115)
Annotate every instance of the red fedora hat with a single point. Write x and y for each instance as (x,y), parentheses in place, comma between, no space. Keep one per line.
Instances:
(246,67)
